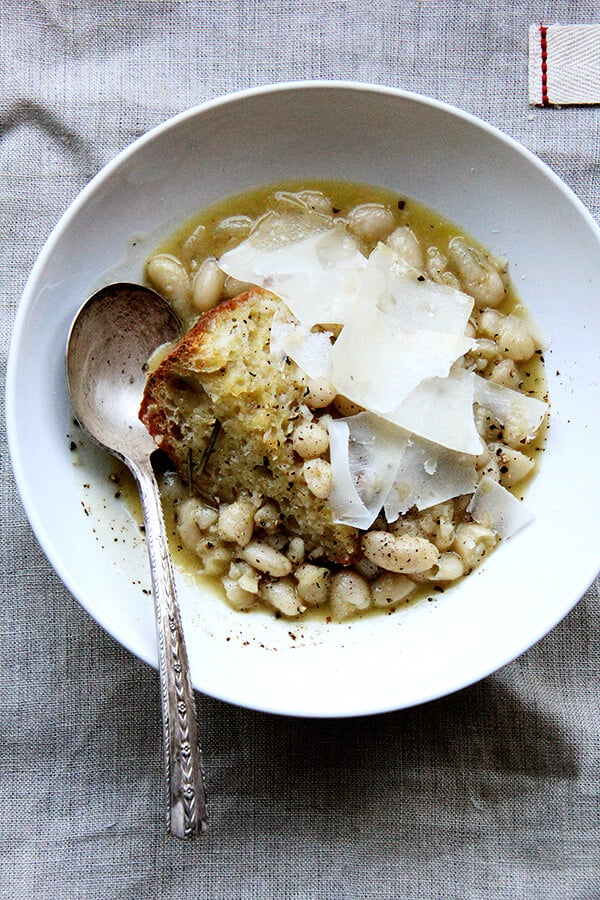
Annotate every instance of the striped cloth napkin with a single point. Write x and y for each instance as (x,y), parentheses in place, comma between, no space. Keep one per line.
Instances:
(564,65)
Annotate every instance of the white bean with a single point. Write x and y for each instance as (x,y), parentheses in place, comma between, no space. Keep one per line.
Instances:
(516,340)
(268,517)
(312,583)
(404,526)
(490,467)
(172,488)
(216,559)
(277,540)
(405,244)
(487,348)
(266,559)
(506,373)
(318,475)
(243,573)
(282,596)
(349,593)
(319,392)
(448,567)
(391,588)
(428,521)
(238,597)
(187,525)
(317,201)
(295,551)
(445,535)
(487,425)
(366,568)
(480,278)
(399,553)
(472,542)
(436,268)
(169,277)
(512,333)
(371,221)
(207,285)
(440,523)
(192,508)
(517,429)
(310,440)
(490,323)
(236,521)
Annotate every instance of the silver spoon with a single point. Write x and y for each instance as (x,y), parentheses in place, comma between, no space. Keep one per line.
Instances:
(110,340)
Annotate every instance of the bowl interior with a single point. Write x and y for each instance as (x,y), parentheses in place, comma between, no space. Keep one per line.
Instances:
(471,174)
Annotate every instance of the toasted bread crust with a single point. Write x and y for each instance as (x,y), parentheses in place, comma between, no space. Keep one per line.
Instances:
(221,371)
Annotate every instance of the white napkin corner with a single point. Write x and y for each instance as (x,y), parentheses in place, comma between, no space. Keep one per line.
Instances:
(564,65)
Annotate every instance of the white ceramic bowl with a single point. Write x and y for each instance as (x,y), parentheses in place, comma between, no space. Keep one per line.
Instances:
(473,175)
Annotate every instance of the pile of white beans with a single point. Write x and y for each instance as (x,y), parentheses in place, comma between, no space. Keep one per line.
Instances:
(244,543)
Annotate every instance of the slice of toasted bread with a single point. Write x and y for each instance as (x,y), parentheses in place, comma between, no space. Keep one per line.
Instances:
(222,371)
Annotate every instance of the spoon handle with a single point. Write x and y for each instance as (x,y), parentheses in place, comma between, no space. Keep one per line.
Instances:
(186,797)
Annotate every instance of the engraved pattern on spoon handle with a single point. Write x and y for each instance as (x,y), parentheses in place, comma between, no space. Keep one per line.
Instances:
(186,798)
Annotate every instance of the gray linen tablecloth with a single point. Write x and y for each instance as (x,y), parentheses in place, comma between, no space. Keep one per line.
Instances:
(490,793)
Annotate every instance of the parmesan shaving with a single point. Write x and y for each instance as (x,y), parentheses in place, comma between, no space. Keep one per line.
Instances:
(427,475)
(417,442)
(365,453)
(494,507)
(317,276)
(346,504)
(310,350)
(376,466)
(509,406)
(415,301)
(379,380)
(441,410)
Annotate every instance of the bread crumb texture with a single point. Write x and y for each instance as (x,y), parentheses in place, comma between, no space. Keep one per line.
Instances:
(222,371)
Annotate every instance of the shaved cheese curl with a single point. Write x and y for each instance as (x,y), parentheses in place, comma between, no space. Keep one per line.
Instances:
(494,507)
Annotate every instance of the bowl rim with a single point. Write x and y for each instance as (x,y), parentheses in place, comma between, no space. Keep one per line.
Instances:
(104,174)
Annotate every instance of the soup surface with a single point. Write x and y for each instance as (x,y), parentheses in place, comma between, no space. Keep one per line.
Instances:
(359,390)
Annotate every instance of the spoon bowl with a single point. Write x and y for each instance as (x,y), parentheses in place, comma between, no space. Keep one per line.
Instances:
(113,335)
(111,339)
